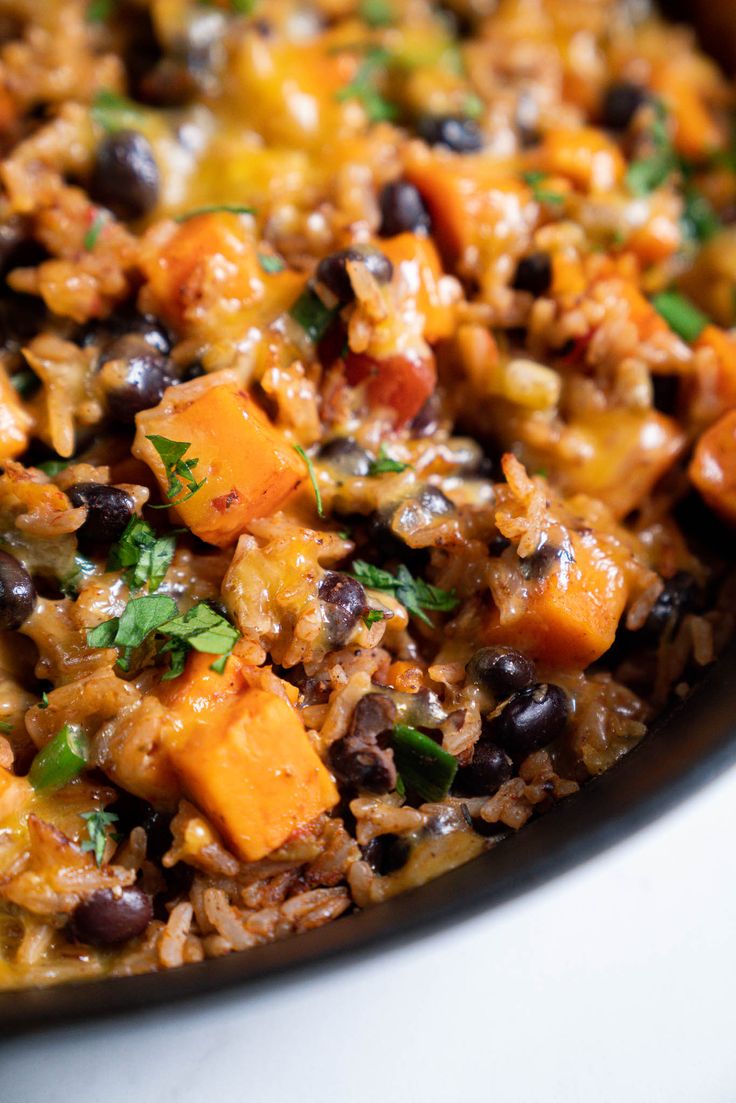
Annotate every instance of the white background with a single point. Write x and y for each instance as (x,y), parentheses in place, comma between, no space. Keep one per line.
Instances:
(613,984)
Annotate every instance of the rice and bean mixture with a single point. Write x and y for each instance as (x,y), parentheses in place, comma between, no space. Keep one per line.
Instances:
(367,443)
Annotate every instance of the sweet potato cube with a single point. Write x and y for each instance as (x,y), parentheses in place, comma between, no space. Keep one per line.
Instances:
(572,614)
(249,765)
(417,264)
(713,467)
(249,467)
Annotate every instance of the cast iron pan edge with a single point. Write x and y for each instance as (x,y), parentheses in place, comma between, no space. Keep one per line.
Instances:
(683,752)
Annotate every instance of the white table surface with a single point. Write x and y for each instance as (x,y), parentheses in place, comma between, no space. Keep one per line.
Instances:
(615,983)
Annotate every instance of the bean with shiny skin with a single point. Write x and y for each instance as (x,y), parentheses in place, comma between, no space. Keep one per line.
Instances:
(501,669)
(17,592)
(459,134)
(333,273)
(347,455)
(489,769)
(109,917)
(533,274)
(531,719)
(108,510)
(142,379)
(402,210)
(345,603)
(621,101)
(125,176)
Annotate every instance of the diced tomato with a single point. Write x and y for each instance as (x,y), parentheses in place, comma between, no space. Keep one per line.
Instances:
(402,383)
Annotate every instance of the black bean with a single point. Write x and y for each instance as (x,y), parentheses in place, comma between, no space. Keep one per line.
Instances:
(345,603)
(455,132)
(125,175)
(489,769)
(497,545)
(139,380)
(666,395)
(108,510)
(531,719)
(543,561)
(501,669)
(681,594)
(432,499)
(621,101)
(425,422)
(333,273)
(533,274)
(387,853)
(346,454)
(17,592)
(402,210)
(111,916)
(358,759)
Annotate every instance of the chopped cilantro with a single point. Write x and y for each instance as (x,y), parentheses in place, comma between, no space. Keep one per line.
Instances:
(680,314)
(699,220)
(112,111)
(376,13)
(372,617)
(270,263)
(312,315)
(647,174)
(535,180)
(413,593)
(472,106)
(364,86)
(44,702)
(199,629)
(6,726)
(141,617)
(144,556)
(99,10)
(422,764)
(93,233)
(97,825)
(178,470)
(383,464)
(313,478)
(214,208)
(53,467)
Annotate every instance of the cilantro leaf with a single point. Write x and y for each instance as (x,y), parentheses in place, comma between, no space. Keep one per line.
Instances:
(97,825)
(113,112)
(179,471)
(214,208)
(376,13)
(384,464)
(415,594)
(93,233)
(541,194)
(143,556)
(313,478)
(44,702)
(680,314)
(99,10)
(699,220)
(141,616)
(372,617)
(270,263)
(646,174)
(364,86)
(312,315)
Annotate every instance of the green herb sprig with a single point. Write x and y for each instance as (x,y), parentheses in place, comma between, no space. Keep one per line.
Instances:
(680,314)
(415,594)
(541,194)
(384,464)
(113,112)
(423,766)
(364,86)
(143,556)
(312,477)
(97,832)
(179,471)
(312,315)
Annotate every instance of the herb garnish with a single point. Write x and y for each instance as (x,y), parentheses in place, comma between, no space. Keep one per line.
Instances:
(422,764)
(372,617)
(97,825)
(680,314)
(199,629)
(313,478)
(53,467)
(143,556)
(62,759)
(71,584)
(312,315)
(383,464)
(270,263)
(363,86)
(535,180)
(6,726)
(214,208)
(415,594)
(178,470)
(376,13)
(44,702)
(99,10)
(93,233)
(112,111)
(699,220)
(648,173)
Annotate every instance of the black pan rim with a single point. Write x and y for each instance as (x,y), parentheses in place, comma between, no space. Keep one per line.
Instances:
(689,747)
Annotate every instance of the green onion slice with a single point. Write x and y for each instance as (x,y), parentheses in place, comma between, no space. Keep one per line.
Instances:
(61,760)
(422,765)
(680,314)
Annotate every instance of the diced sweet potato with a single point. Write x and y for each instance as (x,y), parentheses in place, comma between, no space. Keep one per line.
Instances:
(15,422)
(722,388)
(622,455)
(713,466)
(248,465)
(204,276)
(571,615)
(418,271)
(245,759)
(468,197)
(584,155)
